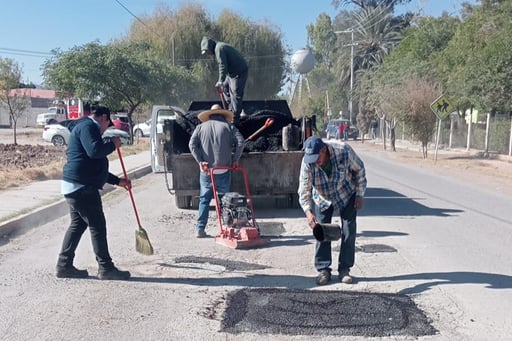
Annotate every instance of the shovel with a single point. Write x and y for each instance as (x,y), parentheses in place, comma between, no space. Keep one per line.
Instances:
(223,100)
(142,243)
(267,124)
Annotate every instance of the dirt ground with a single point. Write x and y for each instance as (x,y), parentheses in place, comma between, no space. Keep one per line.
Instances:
(33,159)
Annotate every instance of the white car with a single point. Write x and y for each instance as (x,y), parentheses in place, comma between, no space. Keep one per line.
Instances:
(142,129)
(58,133)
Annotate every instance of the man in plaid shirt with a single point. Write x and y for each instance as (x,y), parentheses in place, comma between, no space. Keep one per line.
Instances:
(332,179)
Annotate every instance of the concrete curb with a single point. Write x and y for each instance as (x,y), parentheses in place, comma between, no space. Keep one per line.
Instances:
(45,214)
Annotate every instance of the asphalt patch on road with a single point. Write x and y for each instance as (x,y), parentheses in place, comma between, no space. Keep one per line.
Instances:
(229,265)
(323,313)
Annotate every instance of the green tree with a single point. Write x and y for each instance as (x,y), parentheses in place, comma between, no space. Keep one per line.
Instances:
(323,39)
(376,33)
(476,63)
(176,35)
(261,44)
(369,3)
(16,103)
(416,57)
(119,75)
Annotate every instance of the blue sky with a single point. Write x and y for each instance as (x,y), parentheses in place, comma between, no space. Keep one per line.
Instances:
(32,28)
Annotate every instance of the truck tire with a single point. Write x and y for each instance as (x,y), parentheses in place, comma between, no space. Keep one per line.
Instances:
(183,201)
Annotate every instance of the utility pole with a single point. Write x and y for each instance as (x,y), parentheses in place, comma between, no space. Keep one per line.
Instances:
(350,112)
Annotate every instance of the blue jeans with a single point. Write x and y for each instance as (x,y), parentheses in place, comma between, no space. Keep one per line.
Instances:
(223,184)
(323,258)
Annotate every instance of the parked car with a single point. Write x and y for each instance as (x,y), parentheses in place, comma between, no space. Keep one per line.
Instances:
(331,131)
(142,129)
(121,121)
(58,133)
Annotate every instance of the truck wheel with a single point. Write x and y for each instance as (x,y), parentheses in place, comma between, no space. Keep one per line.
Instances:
(183,201)
(52,121)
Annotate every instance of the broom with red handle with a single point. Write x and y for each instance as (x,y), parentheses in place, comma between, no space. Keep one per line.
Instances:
(142,243)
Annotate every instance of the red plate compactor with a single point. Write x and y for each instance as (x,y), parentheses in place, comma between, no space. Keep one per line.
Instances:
(238,228)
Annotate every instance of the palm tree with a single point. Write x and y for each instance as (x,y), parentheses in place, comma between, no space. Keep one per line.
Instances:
(376,32)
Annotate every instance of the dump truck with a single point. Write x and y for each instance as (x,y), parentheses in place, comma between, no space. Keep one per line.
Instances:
(272,158)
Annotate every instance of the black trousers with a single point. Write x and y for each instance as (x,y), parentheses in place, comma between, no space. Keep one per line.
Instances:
(85,209)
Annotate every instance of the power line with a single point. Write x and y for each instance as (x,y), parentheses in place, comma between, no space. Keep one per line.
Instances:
(31,53)
(136,17)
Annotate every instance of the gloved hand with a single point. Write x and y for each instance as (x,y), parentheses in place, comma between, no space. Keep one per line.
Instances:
(219,86)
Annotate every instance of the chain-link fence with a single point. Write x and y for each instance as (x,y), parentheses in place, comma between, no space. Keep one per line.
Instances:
(491,133)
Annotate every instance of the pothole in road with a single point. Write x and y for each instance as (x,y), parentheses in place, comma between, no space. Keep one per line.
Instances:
(370,248)
(375,248)
(271,229)
(313,312)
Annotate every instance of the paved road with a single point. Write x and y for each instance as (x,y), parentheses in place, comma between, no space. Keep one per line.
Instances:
(443,244)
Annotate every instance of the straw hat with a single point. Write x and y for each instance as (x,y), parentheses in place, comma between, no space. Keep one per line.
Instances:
(215,110)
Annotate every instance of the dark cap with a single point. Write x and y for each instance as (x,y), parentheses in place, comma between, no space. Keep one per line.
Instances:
(312,148)
(100,111)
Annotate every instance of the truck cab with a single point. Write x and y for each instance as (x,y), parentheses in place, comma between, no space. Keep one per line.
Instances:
(54,114)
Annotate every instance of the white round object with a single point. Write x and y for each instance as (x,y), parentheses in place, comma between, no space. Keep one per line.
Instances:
(303,61)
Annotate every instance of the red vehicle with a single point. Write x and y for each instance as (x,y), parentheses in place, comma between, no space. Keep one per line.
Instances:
(76,108)
(121,122)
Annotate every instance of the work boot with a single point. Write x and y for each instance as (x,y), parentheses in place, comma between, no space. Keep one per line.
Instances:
(113,274)
(201,234)
(324,276)
(345,277)
(70,272)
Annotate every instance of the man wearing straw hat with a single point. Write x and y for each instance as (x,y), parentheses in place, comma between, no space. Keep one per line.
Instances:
(214,143)
(332,180)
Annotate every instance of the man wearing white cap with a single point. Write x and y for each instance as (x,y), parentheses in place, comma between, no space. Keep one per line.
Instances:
(214,143)
(332,178)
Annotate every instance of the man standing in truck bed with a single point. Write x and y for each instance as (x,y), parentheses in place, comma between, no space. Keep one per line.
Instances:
(233,72)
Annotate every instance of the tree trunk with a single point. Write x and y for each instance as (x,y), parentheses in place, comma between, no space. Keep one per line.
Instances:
(392,138)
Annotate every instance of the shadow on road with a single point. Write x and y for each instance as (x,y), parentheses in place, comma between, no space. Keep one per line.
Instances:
(385,202)
(380,234)
(492,281)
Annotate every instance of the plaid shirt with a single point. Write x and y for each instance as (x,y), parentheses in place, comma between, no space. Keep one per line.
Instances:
(348,176)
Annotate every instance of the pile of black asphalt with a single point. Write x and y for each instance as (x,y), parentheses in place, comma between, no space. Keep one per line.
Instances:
(323,313)
(270,139)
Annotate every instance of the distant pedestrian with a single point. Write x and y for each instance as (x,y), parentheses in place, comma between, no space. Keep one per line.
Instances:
(341,130)
(346,126)
(214,143)
(233,71)
(373,129)
(332,180)
(84,174)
